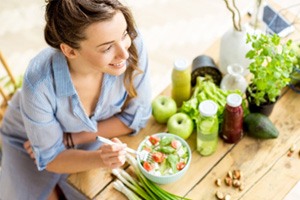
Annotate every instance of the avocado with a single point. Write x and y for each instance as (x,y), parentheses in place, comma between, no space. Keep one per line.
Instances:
(260,126)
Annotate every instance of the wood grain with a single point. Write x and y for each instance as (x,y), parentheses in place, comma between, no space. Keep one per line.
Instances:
(263,162)
(254,157)
(267,172)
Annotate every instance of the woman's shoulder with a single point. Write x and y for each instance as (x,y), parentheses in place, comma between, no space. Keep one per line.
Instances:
(139,42)
(40,66)
(142,51)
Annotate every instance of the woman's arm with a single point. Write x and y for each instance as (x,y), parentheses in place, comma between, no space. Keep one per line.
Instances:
(74,160)
(109,128)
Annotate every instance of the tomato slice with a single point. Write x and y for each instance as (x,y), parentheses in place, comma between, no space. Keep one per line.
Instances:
(175,144)
(147,166)
(180,165)
(154,139)
(158,157)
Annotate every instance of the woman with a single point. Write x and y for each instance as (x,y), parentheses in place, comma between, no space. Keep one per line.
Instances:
(93,80)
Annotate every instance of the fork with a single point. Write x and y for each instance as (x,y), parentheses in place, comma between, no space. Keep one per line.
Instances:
(143,155)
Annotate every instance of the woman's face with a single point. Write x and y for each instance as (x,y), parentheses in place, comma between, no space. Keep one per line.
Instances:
(106,47)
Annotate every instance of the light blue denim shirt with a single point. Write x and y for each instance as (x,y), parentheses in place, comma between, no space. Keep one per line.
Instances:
(48,105)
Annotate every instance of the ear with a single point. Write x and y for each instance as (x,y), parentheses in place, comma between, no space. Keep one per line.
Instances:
(68,51)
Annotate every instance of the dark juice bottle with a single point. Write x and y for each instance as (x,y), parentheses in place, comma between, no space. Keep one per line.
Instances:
(232,128)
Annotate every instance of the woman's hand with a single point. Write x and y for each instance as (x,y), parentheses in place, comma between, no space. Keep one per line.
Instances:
(28,148)
(113,156)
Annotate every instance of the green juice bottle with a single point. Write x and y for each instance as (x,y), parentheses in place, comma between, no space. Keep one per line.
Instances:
(207,128)
(181,81)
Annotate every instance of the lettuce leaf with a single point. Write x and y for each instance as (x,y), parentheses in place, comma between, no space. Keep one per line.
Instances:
(206,89)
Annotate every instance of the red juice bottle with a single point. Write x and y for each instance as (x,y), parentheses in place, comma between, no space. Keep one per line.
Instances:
(232,128)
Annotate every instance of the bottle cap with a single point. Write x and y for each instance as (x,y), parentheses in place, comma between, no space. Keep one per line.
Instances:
(208,108)
(235,68)
(234,100)
(181,64)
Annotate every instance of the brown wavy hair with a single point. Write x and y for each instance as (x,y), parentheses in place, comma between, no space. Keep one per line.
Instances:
(66,21)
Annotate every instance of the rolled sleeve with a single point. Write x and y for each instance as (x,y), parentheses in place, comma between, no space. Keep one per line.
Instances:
(43,157)
(42,128)
(138,111)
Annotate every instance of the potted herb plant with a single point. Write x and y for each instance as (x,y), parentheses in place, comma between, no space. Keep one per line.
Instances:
(295,75)
(271,66)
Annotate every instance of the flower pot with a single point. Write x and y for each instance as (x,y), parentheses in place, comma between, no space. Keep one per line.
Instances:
(265,109)
(204,65)
(295,80)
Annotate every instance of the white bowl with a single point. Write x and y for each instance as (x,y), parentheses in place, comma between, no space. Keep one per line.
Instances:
(165,179)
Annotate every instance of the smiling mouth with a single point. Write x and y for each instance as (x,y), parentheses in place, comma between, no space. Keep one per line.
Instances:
(118,65)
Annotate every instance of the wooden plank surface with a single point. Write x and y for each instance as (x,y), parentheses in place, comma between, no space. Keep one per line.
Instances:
(256,158)
(264,163)
(267,172)
(91,182)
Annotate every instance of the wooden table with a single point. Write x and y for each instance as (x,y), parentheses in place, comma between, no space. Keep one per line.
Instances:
(268,173)
(267,170)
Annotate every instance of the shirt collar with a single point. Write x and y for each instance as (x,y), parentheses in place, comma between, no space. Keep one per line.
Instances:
(62,77)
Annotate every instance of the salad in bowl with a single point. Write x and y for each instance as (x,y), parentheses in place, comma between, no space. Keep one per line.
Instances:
(168,157)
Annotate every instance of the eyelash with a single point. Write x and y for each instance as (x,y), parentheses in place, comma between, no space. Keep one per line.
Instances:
(124,36)
(107,50)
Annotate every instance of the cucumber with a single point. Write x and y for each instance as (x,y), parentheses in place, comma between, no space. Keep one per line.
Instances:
(260,126)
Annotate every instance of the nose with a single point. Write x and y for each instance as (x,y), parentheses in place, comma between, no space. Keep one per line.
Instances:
(122,51)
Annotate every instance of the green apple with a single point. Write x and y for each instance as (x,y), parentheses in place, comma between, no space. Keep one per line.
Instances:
(181,124)
(163,107)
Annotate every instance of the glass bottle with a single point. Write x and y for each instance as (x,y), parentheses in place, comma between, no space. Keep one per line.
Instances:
(256,20)
(207,128)
(234,79)
(181,81)
(232,128)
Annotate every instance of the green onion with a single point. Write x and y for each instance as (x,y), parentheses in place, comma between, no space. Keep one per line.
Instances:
(142,187)
(118,185)
(130,183)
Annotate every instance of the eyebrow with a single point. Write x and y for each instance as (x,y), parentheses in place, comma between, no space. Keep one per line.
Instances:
(110,42)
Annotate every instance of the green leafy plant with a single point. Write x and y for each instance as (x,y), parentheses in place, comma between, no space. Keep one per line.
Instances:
(8,84)
(296,48)
(271,66)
